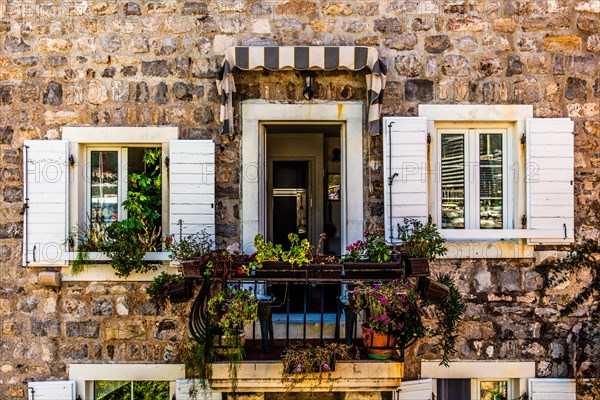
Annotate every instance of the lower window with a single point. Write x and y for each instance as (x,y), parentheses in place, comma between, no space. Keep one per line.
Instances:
(479,389)
(131,390)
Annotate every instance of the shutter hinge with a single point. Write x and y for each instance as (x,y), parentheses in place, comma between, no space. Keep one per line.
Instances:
(428,138)
(25,207)
(523,221)
(565,228)
(429,219)
(167,161)
(71,160)
(523,139)
(391,179)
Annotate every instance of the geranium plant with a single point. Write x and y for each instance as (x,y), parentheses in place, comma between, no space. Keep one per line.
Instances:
(392,308)
(231,307)
(372,248)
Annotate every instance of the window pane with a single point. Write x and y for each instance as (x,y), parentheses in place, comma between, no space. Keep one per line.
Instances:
(490,181)
(112,390)
(453,181)
(151,390)
(105,186)
(494,390)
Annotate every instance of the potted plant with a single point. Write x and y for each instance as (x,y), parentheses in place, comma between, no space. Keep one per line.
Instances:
(313,363)
(373,248)
(392,315)
(168,286)
(421,243)
(228,311)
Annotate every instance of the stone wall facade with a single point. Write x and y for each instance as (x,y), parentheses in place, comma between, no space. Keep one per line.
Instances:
(141,63)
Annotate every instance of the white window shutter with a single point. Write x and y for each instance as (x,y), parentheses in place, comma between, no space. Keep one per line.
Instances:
(549,175)
(46,185)
(188,389)
(192,186)
(415,390)
(552,389)
(52,390)
(404,154)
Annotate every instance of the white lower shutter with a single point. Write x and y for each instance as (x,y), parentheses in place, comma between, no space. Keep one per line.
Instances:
(51,390)
(549,174)
(415,390)
(405,165)
(188,389)
(192,186)
(46,184)
(552,389)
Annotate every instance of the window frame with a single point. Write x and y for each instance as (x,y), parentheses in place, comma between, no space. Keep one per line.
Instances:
(80,140)
(84,375)
(511,117)
(472,133)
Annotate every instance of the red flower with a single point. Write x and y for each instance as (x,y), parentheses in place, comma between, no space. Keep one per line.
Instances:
(239,271)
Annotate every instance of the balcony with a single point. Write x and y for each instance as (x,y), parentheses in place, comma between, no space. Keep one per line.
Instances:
(301,306)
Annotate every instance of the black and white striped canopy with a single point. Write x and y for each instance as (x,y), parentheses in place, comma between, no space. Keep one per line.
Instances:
(327,58)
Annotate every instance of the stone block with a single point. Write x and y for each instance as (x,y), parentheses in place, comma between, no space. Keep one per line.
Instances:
(515,66)
(160,7)
(131,8)
(355,26)
(12,230)
(421,25)
(74,351)
(85,329)
(155,68)
(490,66)
(420,90)
(60,117)
(587,24)
(510,280)
(559,43)
(455,65)
(6,135)
(467,24)
(124,330)
(15,44)
(592,6)
(103,8)
(576,88)
(142,93)
(102,307)
(97,92)
(291,7)
(129,70)
(161,96)
(388,25)
(408,65)
(194,8)
(49,45)
(437,43)
(13,194)
(406,41)
(508,25)
(6,94)
(593,43)
(467,44)
(53,94)
(49,327)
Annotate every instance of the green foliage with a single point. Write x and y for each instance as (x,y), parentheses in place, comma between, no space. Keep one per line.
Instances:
(197,358)
(585,256)
(231,307)
(157,290)
(373,248)
(300,252)
(144,195)
(122,390)
(126,242)
(449,315)
(303,363)
(188,247)
(421,240)
(88,237)
(126,250)
(391,307)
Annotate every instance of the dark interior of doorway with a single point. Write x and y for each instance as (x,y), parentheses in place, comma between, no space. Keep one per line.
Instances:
(293,185)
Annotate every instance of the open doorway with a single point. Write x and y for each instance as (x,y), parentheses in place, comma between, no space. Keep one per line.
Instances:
(303,196)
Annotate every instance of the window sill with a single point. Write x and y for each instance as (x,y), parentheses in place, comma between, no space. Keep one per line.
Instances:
(499,234)
(98,257)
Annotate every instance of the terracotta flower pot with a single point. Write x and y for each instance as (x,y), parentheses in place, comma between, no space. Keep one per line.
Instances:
(379,346)
(416,266)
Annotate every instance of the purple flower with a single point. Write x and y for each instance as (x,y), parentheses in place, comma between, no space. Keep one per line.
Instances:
(299,368)
(376,287)
(235,286)
(290,378)
(340,378)
(326,367)
(400,325)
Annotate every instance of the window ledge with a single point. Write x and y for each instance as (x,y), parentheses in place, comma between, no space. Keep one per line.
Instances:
(99,256)
(266,376)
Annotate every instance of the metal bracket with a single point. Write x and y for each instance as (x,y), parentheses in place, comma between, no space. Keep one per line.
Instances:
(524,221)
(429,138)
(391,178)
(523,139)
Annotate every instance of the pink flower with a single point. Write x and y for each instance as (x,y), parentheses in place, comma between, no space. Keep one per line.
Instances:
(326,367)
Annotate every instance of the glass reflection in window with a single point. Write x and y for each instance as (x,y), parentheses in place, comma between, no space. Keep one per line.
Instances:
(453,181)
(490,181)
(104,186)
(493,390)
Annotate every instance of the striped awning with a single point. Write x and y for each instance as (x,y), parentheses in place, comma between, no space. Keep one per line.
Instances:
(325,58)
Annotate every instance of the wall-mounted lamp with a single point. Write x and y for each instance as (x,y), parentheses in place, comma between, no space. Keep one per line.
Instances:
(309,81)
